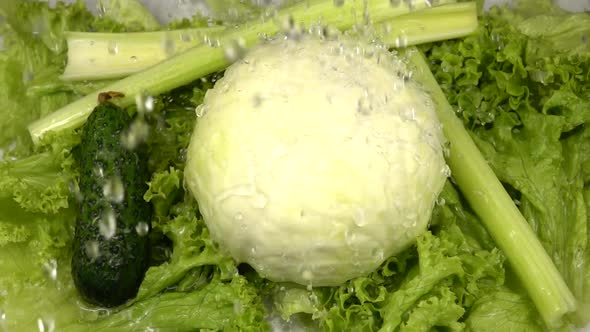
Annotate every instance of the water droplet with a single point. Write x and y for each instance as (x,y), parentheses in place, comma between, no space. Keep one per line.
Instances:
(50,268)
(401,41)
(428,3)
(137,133)
(107,225)
(185,37)
(27,76)
(142,228)
(113,48)
(144,103)
(253,251)
(168,45)
(364,105)
(408,114)
(349,237)
(259,201)
(359,218)
(133,59)
(378,254)
(92,249)
(338,3)
(99,171)
(440,201)
(446,171)
(113,190)
(45,325)
(235,50)
(73,188)
(239,216)
(307,275)
(2,315)
(200,110)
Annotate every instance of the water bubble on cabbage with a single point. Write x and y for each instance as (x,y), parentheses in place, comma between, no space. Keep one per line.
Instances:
(113,190)
(359,218)
(259,201)
(107,224)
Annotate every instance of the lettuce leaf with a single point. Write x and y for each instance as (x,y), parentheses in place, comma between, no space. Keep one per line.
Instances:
(521,84)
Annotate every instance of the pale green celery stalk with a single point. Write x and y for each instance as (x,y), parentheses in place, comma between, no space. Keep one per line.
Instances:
(98,56)
(493,205)
(433,24)
(203,59)
(94,56)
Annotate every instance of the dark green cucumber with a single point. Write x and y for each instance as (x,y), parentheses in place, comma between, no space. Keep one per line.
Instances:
(111,242)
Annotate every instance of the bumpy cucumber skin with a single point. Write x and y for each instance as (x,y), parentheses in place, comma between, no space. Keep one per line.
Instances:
(115,274)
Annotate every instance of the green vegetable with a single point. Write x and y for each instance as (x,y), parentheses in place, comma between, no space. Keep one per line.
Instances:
(347,164)
(204,59)
(94,56)
(519,84)
(111,242)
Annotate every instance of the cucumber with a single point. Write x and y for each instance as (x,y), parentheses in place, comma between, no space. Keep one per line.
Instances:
(111,240)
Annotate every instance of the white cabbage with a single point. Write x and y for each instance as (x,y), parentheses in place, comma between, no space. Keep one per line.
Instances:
(313,161)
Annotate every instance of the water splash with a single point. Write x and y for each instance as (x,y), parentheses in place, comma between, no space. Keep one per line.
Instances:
(92,249)
(113,48)
(50,269)
(107,225)
(45,325)
(113,190)
(142,228)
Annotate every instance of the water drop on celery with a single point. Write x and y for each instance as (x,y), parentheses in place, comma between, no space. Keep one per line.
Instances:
(113,190)
(168,45)
(144,103)
(234,51)
(186,37)
(113,48)
(107,225)
(142,228)
(401,41)
(133,59)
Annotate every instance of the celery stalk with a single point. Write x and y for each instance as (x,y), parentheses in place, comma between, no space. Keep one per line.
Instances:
(499,214)
(97,56)
(94,56)
(203,59)
(433,24)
